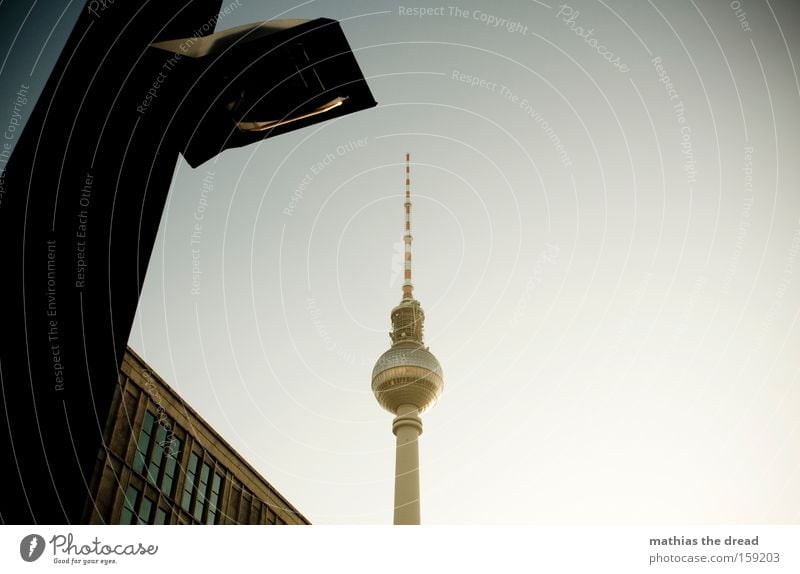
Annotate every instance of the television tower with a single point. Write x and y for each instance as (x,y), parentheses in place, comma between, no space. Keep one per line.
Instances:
(406,380)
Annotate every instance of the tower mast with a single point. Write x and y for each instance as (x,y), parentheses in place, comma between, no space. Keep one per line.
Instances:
(408,287)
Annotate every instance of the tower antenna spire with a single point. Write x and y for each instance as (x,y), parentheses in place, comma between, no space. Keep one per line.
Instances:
(408,287)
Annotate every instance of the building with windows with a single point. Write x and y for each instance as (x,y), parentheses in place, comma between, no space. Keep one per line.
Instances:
(163,464)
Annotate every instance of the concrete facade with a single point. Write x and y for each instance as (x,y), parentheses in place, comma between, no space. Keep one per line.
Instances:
(163,464)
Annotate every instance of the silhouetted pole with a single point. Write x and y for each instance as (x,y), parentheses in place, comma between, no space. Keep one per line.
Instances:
(82,198)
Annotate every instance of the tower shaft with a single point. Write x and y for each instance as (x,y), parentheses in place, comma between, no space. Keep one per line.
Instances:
(407,427)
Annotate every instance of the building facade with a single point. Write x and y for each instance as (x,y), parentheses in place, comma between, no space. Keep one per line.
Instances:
(163,464)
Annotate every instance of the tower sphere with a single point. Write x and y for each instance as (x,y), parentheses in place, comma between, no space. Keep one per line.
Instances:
(407,374)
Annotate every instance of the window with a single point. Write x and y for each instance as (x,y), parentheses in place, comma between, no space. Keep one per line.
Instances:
(172,452)
(269,515)
(157,454)
(213,499)
(244,508)
(131,496)
(234,501)
(161,516)
(200,500)
(143,444)
(136,508)
(255,512)
(145,509)
(188,484)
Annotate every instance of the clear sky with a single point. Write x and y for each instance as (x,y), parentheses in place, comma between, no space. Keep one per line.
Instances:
(606,240)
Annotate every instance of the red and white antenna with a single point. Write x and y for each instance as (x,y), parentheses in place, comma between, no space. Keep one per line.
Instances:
(408,288)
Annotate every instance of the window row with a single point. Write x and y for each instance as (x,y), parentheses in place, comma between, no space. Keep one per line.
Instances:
(246,508)
(158,459)
(138,509)
(158,453)
(201,490)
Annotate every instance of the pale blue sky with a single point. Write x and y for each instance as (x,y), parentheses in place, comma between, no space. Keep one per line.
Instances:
(614,301)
